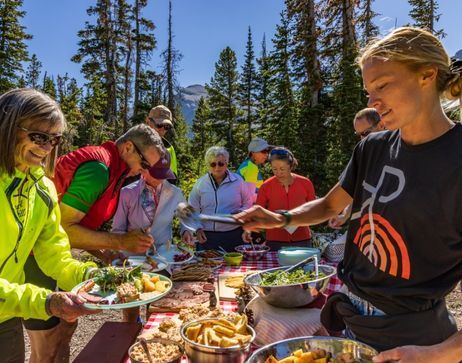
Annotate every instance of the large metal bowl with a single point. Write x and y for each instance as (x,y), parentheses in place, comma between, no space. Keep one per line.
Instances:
(284,348)
(199,353)
(291,296)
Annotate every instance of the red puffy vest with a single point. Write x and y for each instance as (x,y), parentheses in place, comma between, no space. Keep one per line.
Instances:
(105,206)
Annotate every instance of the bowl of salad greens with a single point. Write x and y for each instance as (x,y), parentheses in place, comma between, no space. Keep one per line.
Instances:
(292,289)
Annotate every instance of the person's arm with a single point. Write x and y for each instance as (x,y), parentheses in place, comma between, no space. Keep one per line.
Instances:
(449,351)
(84,238)
(314,212)
(338,221)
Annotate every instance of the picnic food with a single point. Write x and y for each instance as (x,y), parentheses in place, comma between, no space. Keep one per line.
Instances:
(149,264)
(181,256)
(167,329)
(314,356)
(159,351)
(281,277)
(192,272)
(235,282)
(128,284)
(209,254)
(182,295)
(220,332)
(196,312)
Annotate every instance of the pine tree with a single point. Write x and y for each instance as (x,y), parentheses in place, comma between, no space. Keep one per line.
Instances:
(341,50)
(48,86)
(223,100)
(425,15)
(283,120)
(263,91)
(247,87)
(203,135)
(307,73)
(69,98)
(365,22)
(145,43)
(13,49)
(33,72)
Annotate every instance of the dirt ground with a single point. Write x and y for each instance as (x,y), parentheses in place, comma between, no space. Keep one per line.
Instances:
(89,325)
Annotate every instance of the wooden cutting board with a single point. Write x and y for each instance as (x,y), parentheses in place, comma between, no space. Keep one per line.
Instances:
(226,293)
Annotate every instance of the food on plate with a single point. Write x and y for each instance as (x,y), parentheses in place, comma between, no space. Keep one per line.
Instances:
(148,263)
(281,277)
(183,294)
(127,292)
(235,282)
(220,332)
(128,285)
(314,356)
(196,312)
(167,329)
(160,352)
(192,272)
(209,254)
(183,256)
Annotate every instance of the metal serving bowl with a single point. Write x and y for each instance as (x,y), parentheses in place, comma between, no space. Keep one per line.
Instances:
(284,348)
(199,353)
(156,340)
(291,296)
(253,254)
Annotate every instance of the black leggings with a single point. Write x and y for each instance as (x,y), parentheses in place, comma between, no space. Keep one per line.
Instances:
(35,276)
(12,341)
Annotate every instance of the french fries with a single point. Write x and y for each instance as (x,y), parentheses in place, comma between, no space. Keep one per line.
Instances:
(220,332)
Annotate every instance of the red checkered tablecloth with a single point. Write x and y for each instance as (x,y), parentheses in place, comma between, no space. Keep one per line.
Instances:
(269,261)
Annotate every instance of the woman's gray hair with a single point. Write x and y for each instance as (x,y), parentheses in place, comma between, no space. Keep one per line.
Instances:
(26,107)
(143,137)
(213,152)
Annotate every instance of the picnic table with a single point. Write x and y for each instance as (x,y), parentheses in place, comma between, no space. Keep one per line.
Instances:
(270,261)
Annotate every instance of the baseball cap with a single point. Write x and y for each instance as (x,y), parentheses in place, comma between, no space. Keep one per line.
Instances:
(257,145)
(161,115)
(161,169)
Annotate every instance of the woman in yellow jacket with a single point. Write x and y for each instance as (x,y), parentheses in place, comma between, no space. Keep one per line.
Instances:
(31,126)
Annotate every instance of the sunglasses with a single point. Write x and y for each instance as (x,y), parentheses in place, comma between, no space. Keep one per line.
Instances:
(144,163)
(366,132)
(42,138)
(280,152)
(220,164)
(160,126)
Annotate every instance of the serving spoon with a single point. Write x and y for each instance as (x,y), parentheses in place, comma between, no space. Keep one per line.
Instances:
(304,262)
(144,344)
(192,219)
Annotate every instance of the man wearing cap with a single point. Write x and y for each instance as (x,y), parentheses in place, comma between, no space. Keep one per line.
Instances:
(149,204)
(258,155)
(160,119)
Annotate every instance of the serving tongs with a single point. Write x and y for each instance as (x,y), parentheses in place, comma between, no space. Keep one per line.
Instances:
(192,219)
(304,262)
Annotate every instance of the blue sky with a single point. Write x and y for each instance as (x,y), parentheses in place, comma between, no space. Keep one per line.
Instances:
(202,28)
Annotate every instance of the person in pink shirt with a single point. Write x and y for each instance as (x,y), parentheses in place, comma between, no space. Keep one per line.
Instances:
(282,192)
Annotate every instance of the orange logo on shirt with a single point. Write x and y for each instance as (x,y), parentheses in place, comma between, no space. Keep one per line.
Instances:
(387,251)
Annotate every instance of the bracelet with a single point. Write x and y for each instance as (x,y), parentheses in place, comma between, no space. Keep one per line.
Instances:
(287,218)
(47,305)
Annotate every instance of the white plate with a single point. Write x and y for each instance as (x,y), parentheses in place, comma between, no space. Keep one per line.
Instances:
(111,295)
(141,260)
(168,254)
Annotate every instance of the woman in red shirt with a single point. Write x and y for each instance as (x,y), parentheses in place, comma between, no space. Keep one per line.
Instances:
(282,192)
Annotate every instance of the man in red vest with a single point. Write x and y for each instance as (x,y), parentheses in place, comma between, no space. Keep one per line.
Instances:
(88,181)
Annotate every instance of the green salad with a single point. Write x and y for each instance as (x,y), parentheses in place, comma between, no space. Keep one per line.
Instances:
(281,277)
(109,278)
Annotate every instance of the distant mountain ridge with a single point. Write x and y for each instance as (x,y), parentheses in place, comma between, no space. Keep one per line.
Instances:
(188,98)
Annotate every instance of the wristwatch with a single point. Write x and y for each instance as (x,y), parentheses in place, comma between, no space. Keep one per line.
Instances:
(287,217)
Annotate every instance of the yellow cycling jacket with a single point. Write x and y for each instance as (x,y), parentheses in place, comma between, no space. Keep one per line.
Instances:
(39,232)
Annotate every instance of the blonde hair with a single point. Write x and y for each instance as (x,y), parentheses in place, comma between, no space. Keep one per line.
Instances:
(26,107)
(415,48)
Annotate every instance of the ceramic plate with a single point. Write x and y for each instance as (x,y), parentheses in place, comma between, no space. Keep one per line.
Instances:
(169,254)
(133,261)
(111,295)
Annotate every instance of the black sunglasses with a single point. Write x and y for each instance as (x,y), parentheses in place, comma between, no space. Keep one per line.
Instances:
(220,164)
(160,126)
(366,132)
(144,163)
(42,138)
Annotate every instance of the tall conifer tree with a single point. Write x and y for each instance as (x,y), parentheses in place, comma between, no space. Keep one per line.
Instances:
(33,72)
(425,15)
(13,49)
